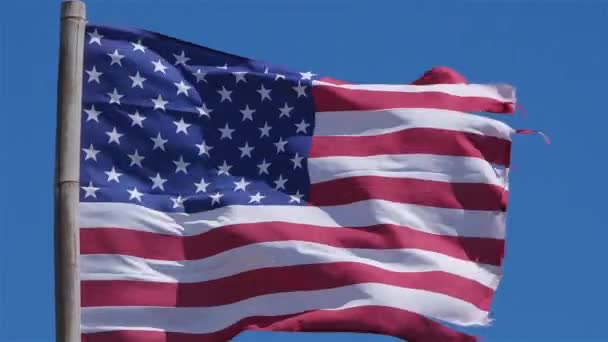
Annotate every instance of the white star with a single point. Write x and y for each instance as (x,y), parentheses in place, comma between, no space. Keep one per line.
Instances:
(256,198)
(177,201)
(138,81)
(182,88)
(92,114)
(297,161)
(307,75)
(263,167)
(181,165)
(241,185)
(134,194)
(280,145)
(158,66)
(285,111)
(279,76)
(302,126)
(95,37)
(300,89)
(138,46)
(116,57)
(265,131)
(159,142)
(204,149)
(224,169)
(296,198)
(240,76)
(225,66)
(204,111)
(113,175)
(115,96)
(182,126)
(93,74)
(114,136)
(158,182)
(181,59)
(225,94)
(202,186)
(91,153)
(226,132)
(159,103)
(136,159)
(215,198)
(280,183)
(246,150)
(89,191)
(200,76)
(247,113)
(137,120)
(264,93)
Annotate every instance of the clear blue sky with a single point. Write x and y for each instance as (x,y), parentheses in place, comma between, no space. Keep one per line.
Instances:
(555,52)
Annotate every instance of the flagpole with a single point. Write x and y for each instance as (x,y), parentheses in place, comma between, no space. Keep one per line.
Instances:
(67,172)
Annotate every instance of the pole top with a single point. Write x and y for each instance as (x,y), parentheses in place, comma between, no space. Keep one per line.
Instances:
(73,9)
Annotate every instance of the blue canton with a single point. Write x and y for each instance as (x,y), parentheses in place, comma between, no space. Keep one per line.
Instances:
(178,127)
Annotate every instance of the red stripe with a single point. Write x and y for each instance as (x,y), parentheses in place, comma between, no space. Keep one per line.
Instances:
(331,99)
(467,196)
(369,319)
(440,75)
(166,247)
(415,140)
(333,80)
(276,280)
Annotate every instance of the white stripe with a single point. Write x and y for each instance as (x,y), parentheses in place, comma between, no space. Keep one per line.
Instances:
(200,320)
(131,216)
(418,166)
(377,122)
(278,254)
(453,222)
(499,92)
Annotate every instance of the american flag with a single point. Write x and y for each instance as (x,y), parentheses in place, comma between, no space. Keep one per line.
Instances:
(222,194)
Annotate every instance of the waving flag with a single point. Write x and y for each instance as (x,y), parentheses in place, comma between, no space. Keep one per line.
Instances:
(221,194)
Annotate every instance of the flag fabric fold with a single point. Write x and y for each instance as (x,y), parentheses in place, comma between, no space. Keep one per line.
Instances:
(222,194)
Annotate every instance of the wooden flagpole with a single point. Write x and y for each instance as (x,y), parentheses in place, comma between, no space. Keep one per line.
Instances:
(67,172)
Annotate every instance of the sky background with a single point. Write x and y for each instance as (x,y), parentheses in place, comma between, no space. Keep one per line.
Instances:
(554,52)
